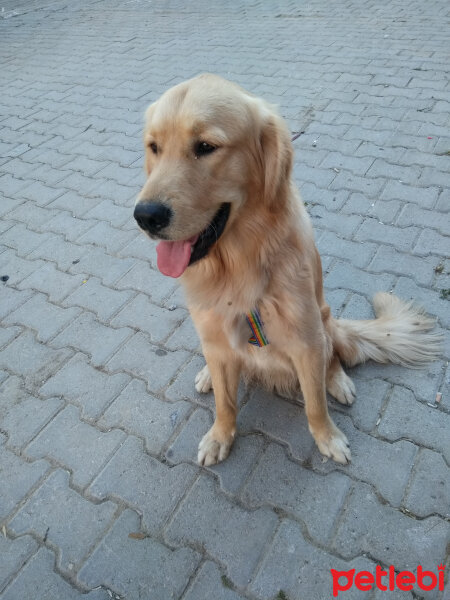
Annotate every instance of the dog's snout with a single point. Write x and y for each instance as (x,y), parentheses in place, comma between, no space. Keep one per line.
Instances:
(152,216)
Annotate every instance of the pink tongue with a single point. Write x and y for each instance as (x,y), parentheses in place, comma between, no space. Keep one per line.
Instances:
(174,257)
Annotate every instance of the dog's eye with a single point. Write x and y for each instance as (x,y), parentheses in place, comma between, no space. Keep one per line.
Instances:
(203,148)
(153,147)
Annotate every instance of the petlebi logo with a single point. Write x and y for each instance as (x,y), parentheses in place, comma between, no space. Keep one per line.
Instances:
(387,580)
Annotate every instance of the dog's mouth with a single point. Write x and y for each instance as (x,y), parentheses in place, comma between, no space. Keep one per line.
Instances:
(175,257)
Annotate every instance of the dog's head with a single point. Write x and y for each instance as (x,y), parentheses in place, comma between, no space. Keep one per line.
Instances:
(211,148)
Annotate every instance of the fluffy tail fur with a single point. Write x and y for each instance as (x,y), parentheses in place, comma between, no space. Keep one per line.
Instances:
(398,335)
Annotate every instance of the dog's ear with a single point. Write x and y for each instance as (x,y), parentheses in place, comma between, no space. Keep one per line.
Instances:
(276,154)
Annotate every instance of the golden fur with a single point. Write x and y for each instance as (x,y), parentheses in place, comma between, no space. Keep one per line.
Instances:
(265,258)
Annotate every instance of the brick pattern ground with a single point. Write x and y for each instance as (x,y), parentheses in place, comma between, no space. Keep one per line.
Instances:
(100,493)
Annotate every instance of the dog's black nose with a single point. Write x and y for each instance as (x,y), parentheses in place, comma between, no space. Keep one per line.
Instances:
(152,216)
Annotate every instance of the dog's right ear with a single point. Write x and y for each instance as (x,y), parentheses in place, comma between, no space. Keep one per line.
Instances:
(275,153)
(147,119)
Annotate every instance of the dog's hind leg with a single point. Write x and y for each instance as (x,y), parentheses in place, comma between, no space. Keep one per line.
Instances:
(203,381)
(339,384)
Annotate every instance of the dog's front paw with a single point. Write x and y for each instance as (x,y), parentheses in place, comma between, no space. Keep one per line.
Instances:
(333,444)
(214,447)
(203,382)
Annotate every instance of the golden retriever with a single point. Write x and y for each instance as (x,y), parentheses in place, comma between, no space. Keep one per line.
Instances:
(220,198)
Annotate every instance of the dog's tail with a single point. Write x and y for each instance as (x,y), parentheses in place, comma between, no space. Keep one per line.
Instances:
(398,335)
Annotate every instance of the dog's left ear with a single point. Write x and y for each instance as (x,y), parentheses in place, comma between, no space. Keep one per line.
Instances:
(276,154)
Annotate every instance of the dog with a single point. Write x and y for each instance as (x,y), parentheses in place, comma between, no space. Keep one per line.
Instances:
(220,198)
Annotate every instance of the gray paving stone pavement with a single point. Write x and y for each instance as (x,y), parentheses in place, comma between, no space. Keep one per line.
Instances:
(100,493)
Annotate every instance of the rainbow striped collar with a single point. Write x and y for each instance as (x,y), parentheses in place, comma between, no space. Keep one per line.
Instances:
(257,326)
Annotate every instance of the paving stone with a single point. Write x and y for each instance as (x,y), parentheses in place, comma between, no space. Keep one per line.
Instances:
(122,175)
(14,554)
(342,224)
(384,211)
(281,483)
(94,296)
(381,168)
(358,308)
(16,267)
(429,490)
(347,277)
(185,336)
(48,279)
(365,185)
(143,278)
(30,214)
(431,242)
(71,227)
(370,396)
(425,197)
(60,440)
(45,515)
(95,261)
(141,247)
(388,260)
(401,238)
(18,478)
(110,238)
(21,415)
(143,568)
(300,570)
(117,216)
(336,300)
(142,315)
(280,420)
(121,195)
(357,165)
(443,203)
(412,214)
(144,483)
(394,595)
(207,579)
(233,472)
(423,382)
(30,359)
(369,459)
(9,205)
(77,204)
(58,250)
(40,569)
(367,526)
(23,240)
(88,335)
(13,186)
(176,298)
(147,361)
(4,226)
(240,535)
(359,254)
(404,417)
(140,413)
(7,334)
(85,386)
(41,194)
(183,387)
(42,316)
